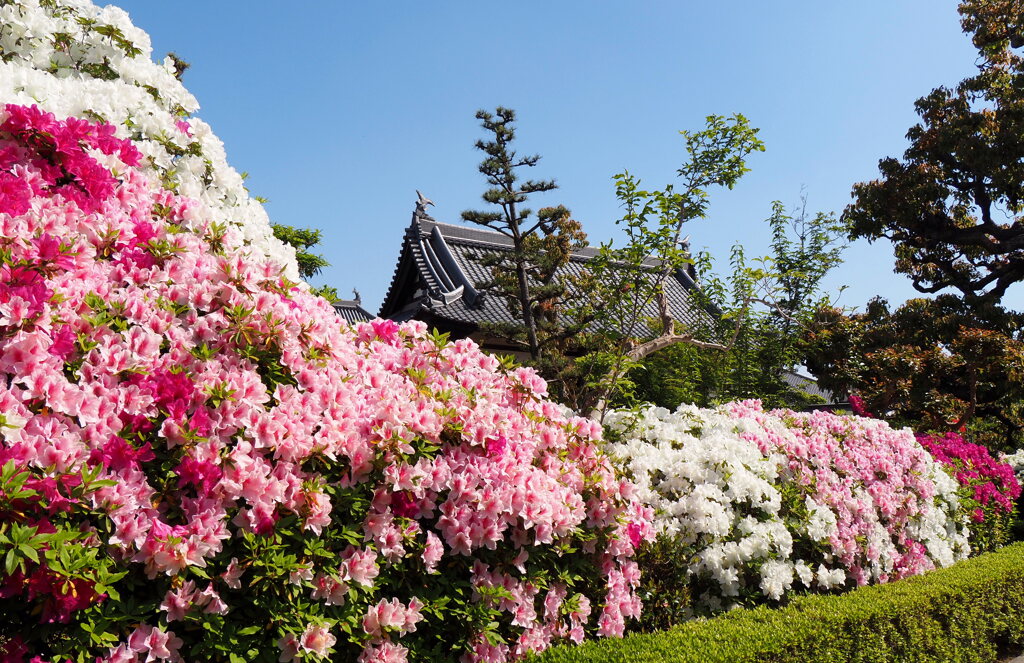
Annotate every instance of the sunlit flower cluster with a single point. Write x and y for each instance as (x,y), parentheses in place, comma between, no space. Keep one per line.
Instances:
(991,480)
(75,59)
(765,503)
(989,487)
(1016,462)
(247,460)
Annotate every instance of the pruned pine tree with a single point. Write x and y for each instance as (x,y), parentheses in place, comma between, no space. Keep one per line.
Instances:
(547,304)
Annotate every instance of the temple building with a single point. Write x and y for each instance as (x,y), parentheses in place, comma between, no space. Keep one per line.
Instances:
(439,269)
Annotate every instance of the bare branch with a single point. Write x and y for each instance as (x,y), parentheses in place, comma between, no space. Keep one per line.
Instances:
(666,340)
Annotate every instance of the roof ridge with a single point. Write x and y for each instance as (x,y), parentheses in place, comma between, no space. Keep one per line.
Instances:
(473,226)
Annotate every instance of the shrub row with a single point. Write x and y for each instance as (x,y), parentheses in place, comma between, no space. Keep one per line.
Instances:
(962,613)
(757,506)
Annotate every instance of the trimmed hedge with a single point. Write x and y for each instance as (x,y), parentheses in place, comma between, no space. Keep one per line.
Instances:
(958,614)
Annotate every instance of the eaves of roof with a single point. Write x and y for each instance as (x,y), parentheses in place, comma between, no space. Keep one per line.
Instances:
(352,311)
(442,260)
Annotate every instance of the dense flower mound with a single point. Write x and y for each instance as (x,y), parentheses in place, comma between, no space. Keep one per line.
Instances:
(200,460)
(989,486)
(75,59)
(1016,462)
(764,503)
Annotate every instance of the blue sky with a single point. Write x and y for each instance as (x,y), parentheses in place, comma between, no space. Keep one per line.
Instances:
(339,111)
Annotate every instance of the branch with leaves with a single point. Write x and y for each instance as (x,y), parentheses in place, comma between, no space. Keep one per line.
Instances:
(635,275)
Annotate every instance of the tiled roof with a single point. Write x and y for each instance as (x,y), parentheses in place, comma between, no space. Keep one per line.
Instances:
(807,384)
(439,269)
(352,311)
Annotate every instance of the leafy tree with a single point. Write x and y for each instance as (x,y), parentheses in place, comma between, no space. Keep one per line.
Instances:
(953,205)
(932,364)
(591,333)
(953,208)
(310,264)
(528,278)
(328,292)
(633,277)
(302,239)
(766,307)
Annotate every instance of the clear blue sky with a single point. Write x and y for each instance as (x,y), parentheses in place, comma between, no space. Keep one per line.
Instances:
(340,110)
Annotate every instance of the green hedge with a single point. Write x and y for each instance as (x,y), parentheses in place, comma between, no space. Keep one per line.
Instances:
(963,613)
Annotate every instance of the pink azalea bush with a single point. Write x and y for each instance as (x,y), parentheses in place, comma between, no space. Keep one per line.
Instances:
(759,505)
(989,487)
(199,460)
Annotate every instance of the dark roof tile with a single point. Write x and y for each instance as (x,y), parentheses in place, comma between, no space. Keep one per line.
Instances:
(446,259)
(352,311)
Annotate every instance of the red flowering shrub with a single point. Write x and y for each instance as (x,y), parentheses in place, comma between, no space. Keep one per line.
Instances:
(989,487)
(201,462)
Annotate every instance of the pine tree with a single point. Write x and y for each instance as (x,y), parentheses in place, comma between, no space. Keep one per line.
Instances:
(529,277)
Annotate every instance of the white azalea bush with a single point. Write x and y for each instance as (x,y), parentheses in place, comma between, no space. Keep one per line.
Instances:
(74,59)
(753,505)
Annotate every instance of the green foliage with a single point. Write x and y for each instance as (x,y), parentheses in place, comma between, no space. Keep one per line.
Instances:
(302,239)
(632,278)
(931,364)
(953,204)
(764,306)
(966,613)
(665,586)
(310,264)
(994,530)
(60,555)
(330,293)
(180,65)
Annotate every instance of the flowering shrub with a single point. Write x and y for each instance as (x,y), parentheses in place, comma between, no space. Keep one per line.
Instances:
(1016,462)
(989,487)
(758,504)
(201,463)
(75,59)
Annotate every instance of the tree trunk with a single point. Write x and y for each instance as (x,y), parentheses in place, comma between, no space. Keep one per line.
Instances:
(524,285)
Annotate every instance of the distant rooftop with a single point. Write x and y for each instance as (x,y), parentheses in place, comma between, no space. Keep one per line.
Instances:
(808,385)
(439,269)
(352,311)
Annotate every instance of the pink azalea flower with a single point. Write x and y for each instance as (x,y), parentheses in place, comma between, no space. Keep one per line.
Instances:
(432,552)
(233,574)
(155,643)
(392,615)
(359,566)
(63,342)
(383,652)
(317,639)
(289,646)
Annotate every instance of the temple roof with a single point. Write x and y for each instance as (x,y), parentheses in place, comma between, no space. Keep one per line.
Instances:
(807,384)
(352,311)
(439,269)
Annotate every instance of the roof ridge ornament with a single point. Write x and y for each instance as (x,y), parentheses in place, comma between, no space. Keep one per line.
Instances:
(421,206)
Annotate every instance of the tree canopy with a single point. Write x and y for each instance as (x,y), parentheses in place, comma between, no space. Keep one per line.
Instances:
(954,204)
(933,364)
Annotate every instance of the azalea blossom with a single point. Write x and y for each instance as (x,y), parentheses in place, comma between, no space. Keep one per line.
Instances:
(740,491)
